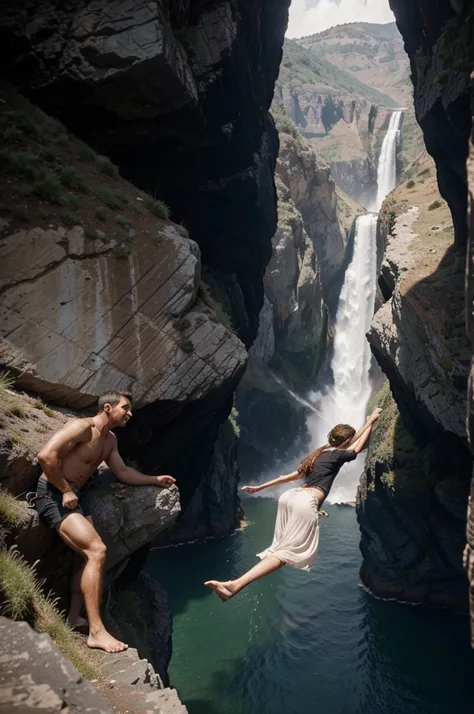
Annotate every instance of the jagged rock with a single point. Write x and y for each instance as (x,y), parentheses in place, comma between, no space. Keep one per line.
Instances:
(313,193)
(469,551)
(411,510)
(438,38)
(56,330)
(309,250)
(263,348)
(37,678)
(157,88)
(126,517)
(413,497)
(195,133)
(214,507)
(126,668)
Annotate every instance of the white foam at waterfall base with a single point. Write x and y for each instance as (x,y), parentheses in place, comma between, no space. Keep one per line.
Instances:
(346,400)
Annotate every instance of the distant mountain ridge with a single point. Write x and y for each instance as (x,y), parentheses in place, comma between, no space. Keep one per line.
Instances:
(373,54)
(339,87)
(301,67)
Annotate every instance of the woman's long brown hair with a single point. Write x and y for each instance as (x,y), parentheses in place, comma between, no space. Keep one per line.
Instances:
(340,437)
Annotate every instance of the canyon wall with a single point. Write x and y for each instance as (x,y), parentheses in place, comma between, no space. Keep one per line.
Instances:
(112,293)
(309,254)
(419,335)
(178,95)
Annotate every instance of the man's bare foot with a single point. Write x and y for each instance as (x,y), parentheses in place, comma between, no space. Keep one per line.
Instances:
(103,641)
(222,590)
(78,624)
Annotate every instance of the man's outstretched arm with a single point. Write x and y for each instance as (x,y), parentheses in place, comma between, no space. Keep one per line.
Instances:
(130,476)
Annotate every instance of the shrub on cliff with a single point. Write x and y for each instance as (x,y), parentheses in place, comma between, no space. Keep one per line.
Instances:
(21,598)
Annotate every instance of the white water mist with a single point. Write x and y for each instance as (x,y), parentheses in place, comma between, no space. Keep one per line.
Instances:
(346,400)
(387,167)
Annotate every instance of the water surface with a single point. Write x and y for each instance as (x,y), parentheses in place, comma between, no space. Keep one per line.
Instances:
(298,643)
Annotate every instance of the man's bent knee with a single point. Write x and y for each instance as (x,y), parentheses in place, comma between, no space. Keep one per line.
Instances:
(96,551)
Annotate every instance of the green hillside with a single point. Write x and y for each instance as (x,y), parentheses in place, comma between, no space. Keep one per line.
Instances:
(302,67)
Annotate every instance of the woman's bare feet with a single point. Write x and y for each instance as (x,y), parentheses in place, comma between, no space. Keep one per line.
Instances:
(222,590)
(103,641)
(78,624)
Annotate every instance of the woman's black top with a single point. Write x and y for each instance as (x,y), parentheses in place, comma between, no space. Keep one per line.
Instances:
(328,466)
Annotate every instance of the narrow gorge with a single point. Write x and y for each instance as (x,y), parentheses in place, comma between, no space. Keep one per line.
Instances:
(259,236)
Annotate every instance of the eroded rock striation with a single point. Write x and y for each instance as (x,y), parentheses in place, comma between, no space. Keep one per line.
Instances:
(177,94)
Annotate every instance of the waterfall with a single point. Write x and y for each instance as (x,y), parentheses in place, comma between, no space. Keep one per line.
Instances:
(387,168)
(346,400)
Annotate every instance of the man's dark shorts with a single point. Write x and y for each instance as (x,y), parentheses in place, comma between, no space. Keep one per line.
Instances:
(49,504)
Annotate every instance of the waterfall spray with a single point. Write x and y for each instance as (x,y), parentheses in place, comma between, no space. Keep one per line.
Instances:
(346,400)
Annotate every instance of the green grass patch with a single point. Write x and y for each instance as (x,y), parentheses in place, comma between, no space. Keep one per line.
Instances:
(105,165)
(158,208)
(112,199)
(73,179)
(123,223)
(20,163)
(7,380)
(91,232)
(38,404)
(12,513)
(122,251)
(433,206)
(157,239)
(101,215)
(234,421)
(48,188)
(72,200)
(410,184)
(441,77)
(22,599)
(69,219)
(18,411)
(85,154)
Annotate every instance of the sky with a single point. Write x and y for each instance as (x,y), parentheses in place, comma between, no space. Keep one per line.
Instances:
(308,17)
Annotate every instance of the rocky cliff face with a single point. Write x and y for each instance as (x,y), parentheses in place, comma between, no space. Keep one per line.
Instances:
(109,292)
(178,96)
(342,127)
(439,40)
(419,321)
(309,249)
(36,677)
(419,461)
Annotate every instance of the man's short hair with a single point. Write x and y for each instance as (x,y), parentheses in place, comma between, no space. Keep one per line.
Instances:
(112,397)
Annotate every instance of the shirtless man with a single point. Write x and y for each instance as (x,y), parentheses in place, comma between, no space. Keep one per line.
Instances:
(68,460)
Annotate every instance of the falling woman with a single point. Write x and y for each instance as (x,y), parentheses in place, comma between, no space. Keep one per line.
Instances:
(296,537)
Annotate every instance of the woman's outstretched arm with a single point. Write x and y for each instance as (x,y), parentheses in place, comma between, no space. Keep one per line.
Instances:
(363,429)
(363,434)
(294,476)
